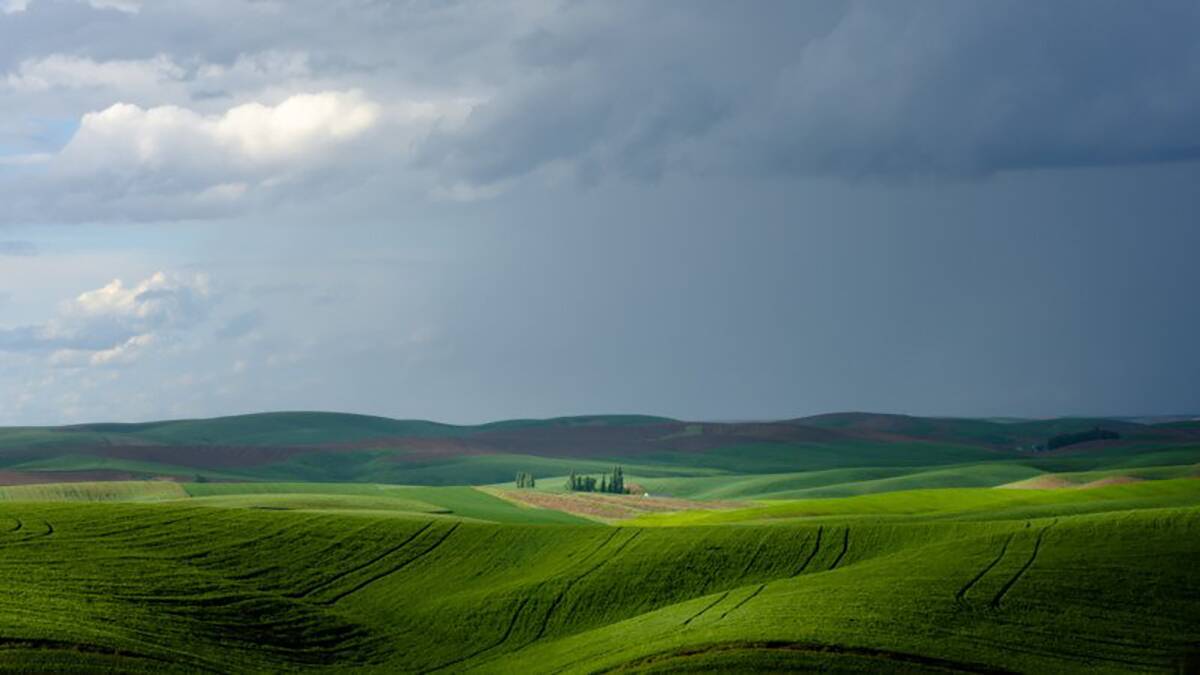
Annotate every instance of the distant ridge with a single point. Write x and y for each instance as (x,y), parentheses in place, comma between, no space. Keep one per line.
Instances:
(331,446)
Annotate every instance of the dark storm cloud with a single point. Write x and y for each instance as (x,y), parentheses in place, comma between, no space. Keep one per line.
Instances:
(932,87)
(635,90)
(475,210)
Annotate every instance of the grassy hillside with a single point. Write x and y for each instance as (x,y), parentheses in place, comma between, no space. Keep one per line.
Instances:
(968,580)
(838,482)
(334,447)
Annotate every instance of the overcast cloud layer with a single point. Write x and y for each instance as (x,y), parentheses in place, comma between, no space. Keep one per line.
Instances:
(468,211)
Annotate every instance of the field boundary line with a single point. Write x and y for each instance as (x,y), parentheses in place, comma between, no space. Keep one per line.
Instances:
(1037,545)
(961,594)
(406,563)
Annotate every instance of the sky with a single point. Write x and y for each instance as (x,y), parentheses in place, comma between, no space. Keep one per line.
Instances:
(469,211)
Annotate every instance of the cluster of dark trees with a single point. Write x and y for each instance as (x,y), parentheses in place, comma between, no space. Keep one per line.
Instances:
(613,482)
(1063,440)
(525,480)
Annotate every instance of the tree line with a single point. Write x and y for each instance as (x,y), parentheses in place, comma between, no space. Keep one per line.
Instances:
(526,480)
(612,482)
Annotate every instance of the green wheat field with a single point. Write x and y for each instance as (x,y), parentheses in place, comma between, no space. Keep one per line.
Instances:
(823,544)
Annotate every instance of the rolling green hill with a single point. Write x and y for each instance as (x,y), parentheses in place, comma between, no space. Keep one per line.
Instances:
(384,579)
(847,543)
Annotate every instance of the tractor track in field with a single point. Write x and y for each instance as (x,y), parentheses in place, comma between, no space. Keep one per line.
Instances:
(884,656)
(20,524)
(753,557)
(512,623)
(961,594)
(812,554)
(841,554)
(210,552)
(707,607)
(343,574)
(40,535)
(1008,585)
(42,644)
(743,601)
(370,580)
(139,527)
(574,580)
(599,547)
(1060,652)
(251,574)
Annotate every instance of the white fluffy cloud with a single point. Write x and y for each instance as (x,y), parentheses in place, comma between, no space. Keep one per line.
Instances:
(246,136)
(115,323)
(130,162)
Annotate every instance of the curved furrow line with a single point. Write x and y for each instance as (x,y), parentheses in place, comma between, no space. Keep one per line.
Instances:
(512,623)
(885,657)
(707,607)
(599,547)
(812,554)
(42,644)
(845,547)
(567,587)
(961,594)
(1037,545)
(370,580)
(343,574)
(37,535)
(237,545)
(110,534)
(753,557)
(20,524)
(743,601)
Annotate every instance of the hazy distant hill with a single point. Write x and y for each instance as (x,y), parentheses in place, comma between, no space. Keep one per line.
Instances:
(345,447)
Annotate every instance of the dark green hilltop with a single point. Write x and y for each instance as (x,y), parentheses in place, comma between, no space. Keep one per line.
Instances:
(852,542)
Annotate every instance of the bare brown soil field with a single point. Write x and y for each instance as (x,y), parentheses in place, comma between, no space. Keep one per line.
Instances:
(1112,480)
(1052,482)
(605,506)
(1049,482)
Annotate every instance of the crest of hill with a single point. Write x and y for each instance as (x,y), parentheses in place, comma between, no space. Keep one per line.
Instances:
(291,429)
(1007,434)
(321,446)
